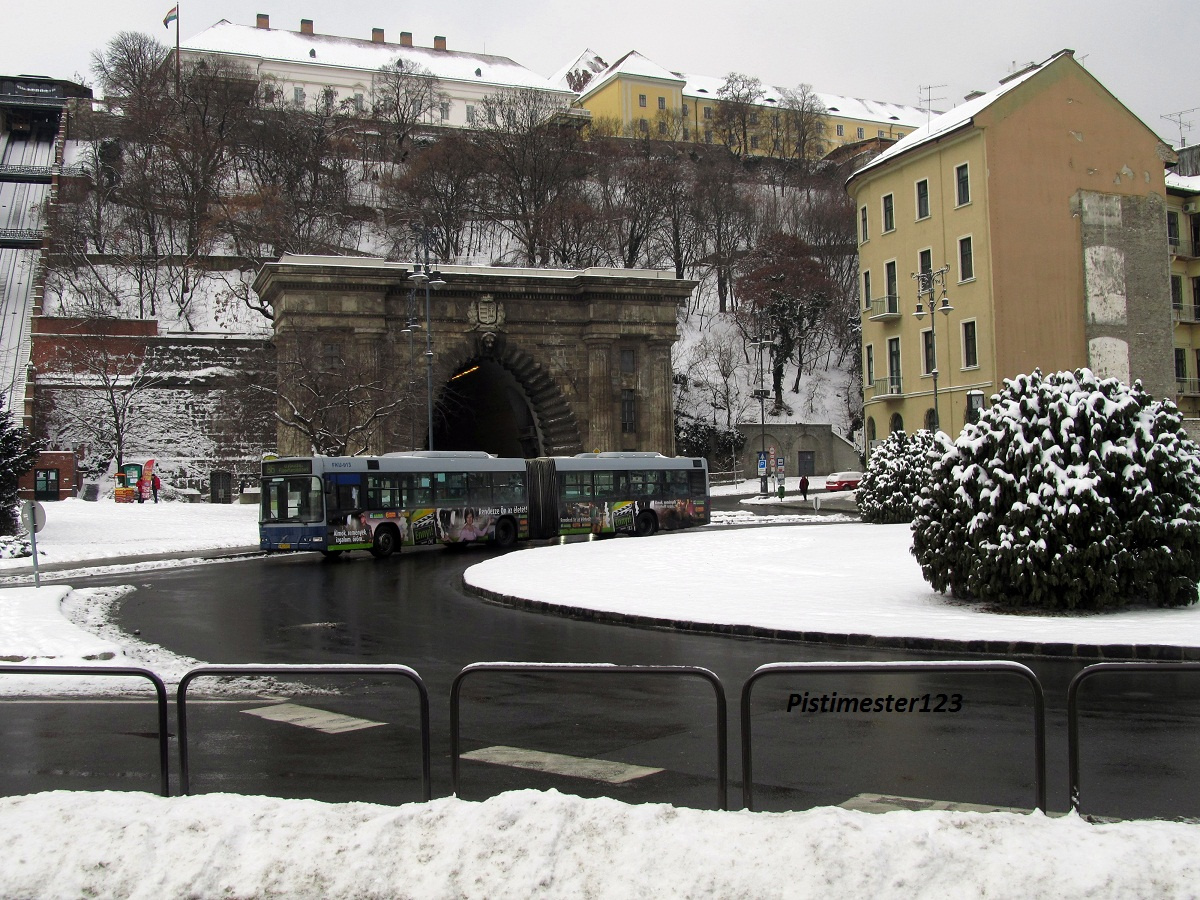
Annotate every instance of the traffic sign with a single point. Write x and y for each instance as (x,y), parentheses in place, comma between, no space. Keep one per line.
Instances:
(33,516)
(762,463)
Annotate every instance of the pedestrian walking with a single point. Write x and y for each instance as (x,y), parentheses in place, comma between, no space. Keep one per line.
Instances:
(140,487)
(155,484)
(804,487)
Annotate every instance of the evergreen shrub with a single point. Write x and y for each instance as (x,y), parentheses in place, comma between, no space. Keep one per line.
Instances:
(896,472)
(1070,492)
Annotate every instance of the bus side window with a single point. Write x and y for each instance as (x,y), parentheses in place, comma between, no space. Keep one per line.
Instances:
(418,492)
(450,486)
(479,488)
(605,485)
(677,485)
(509,489)
(577,486)
(697,485)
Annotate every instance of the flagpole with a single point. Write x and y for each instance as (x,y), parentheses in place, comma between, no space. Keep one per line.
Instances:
(177,49)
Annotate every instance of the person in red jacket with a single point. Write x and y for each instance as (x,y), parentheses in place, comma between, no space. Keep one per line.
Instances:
(155,484)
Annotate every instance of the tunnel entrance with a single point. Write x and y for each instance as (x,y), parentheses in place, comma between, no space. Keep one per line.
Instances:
(484,407)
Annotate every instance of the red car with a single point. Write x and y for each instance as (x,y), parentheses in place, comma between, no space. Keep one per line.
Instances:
(842,481)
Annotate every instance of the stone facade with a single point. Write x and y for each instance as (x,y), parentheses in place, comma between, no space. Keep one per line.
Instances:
(798,444)
(566,361)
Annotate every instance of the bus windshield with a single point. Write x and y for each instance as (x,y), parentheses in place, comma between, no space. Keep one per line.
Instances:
(294,499)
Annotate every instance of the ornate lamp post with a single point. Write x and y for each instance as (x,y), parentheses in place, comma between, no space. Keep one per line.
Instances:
(425,276)
(762,394)
(928,285)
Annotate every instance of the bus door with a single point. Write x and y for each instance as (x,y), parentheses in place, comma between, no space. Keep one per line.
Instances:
(344,501)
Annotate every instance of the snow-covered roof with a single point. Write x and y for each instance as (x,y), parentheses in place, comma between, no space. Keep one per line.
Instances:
(323,50)
(1188,183)
(634,65)
(588,61)
(958,117)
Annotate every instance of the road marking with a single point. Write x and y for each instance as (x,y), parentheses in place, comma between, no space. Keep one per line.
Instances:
(306,717)
(558,764)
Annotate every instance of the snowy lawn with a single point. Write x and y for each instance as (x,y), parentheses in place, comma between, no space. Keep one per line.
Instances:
(842,579)
(78,530)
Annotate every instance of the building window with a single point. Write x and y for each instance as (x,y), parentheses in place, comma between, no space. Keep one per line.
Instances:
(1196,298)
(642,100)
(470,114)
(754,142)
(628,412)
(1176,291)
(444,111)
(269,94)
(628,361)
(685,109)
(974,405)
(754,119)
(962,184)
(925,261)
(643,126)
(1173,230)
(923,199)
(298,96)
(893,289)
(880,133)
(867,289)
(45,484)
(360,103)
(894,369)
(862,221)
(841,130)
(662,102)
(889,213)
(966,260)
(861,134)
(708,135)
(970,347)
(662,127)
(870,364)
(708,112)
(328,98)
(1180,366)
(927,363)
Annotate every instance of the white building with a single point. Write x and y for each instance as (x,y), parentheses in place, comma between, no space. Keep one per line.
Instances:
(307,66)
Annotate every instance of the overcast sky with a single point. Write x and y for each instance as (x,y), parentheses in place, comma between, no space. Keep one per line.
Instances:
(875,49)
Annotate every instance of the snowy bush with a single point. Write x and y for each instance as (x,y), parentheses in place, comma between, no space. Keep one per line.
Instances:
(896,472)
(15,546)
(1068,493)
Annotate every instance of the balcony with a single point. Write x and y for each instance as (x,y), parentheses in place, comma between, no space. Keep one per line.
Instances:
(1182,247)
(1187,387)
(884,308)
(885,387)
(1185,312)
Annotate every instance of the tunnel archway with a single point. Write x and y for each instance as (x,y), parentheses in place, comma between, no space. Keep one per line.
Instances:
(504,405)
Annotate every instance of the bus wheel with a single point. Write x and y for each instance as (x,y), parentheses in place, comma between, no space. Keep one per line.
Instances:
(384,543)
(645,524)
(506,533)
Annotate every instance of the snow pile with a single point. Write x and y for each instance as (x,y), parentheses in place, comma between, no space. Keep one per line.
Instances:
(527,844)
(896,474)
(1069,492)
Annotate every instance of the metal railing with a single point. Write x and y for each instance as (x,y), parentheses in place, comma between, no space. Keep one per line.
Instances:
(597,669)
(1187,387)
(886,307)
(1186,312)
(889,386)
(1094,671)
(335,669)
(160,691)
(905,668)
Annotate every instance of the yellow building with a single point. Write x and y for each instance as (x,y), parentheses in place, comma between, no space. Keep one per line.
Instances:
(1035,213)
(641,98)
(1183,245)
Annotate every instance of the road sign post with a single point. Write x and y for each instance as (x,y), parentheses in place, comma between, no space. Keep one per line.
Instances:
(33,517)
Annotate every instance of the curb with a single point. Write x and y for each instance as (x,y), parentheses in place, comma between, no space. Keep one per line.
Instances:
(1093,652)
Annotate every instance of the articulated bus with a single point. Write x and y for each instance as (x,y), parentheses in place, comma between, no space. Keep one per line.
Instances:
(382,503)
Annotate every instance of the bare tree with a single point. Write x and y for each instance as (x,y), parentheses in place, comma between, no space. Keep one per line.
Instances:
(738,108)
(404,96)
(440,188)
(531,157)
(726,219)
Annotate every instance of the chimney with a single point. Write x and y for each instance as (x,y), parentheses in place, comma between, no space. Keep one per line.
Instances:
(377,36)
(406,39)
(439,42)
(264,21)
(306,26)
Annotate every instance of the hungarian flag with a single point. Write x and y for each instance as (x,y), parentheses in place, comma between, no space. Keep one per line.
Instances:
(172,16)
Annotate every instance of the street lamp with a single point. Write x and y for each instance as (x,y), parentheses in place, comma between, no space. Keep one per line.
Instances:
(427,277)
(762,394)
(928,285)
(410,325)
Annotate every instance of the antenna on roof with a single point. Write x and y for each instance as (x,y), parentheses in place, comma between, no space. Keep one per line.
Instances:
(1177,118)
(926,100)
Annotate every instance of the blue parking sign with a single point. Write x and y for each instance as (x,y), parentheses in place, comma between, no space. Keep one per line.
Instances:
(762,462)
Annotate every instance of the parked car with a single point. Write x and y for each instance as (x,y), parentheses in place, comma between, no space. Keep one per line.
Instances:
(842,481)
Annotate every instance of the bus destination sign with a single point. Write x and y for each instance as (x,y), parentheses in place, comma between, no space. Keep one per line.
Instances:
(287,467)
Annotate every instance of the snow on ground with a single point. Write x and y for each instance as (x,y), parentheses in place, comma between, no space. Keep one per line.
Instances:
(533,844)
(825,577)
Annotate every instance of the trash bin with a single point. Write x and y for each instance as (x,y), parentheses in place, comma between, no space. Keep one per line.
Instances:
(91,492)
(220,484)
